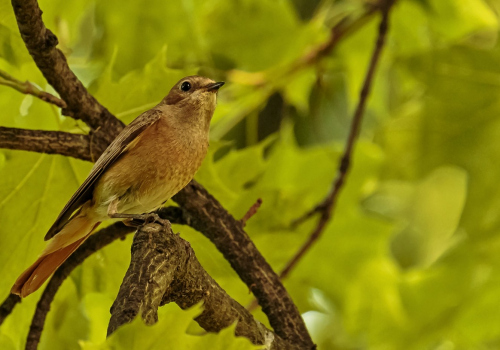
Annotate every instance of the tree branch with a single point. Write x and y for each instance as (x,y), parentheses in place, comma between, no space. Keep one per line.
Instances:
(41,44)
(29,89)
(8,305)
(205,214)
(91,245)
(339,31)
(51,142)
(163,269)
(251,211)
(343,28)
(327,207)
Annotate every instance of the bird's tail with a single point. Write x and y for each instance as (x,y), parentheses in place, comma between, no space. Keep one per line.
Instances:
(58,249)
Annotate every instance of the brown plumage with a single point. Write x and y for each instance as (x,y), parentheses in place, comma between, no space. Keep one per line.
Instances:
(152,159)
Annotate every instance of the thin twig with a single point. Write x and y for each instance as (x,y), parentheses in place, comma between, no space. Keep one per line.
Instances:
(339,31)
(8,305)
(251,211)
(29,89)
(328,205)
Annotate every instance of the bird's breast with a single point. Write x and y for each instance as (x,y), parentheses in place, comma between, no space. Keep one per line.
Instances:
(159,165)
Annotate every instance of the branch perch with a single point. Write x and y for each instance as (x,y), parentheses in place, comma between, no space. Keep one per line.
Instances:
(164,269)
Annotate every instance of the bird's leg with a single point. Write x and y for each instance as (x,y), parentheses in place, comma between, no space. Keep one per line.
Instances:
(133,220)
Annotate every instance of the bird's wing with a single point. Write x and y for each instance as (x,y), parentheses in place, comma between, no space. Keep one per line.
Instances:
(109,156)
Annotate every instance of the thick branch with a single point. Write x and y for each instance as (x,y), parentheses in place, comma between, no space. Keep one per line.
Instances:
(327,207)
(29,89)
(164,269)
(205,214)
(51,142)
(41,44)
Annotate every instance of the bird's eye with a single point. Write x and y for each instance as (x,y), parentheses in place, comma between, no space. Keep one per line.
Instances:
(186,86)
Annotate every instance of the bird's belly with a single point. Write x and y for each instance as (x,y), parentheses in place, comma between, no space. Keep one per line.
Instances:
(149,196)
(143,182)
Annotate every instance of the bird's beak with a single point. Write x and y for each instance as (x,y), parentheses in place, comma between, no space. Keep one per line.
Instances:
(214,86)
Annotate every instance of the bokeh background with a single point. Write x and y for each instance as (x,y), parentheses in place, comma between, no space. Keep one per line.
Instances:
(411,259)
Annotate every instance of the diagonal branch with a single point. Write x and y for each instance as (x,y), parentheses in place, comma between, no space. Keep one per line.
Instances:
(205,214)
(327,207)
(50,142)
(91,245)
(345,27)
(163,269)
(29,89)
(251,211)
(338,32)
(8,305)
(41,44)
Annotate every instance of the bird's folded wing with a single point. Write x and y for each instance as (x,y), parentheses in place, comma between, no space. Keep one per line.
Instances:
(109,156)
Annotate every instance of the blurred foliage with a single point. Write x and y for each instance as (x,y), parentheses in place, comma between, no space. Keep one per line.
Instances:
(410,260)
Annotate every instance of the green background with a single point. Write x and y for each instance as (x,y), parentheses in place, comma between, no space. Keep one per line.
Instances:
(411,259)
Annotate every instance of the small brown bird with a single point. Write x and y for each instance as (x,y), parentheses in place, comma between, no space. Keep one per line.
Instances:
(151,160)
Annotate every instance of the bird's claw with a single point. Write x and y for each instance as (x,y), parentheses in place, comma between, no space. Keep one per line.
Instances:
(143,219)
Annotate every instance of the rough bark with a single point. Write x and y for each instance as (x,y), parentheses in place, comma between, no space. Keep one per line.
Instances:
(164,269)
(51,142)
(205,214)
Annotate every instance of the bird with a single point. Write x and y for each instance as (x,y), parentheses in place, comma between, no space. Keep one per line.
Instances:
(152,159)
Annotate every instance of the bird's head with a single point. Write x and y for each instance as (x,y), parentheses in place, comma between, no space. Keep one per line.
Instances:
(194,98)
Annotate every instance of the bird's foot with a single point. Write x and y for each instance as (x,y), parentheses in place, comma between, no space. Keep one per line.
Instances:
(138,220)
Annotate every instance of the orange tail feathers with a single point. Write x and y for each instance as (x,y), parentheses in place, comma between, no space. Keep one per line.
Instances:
(59,248)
